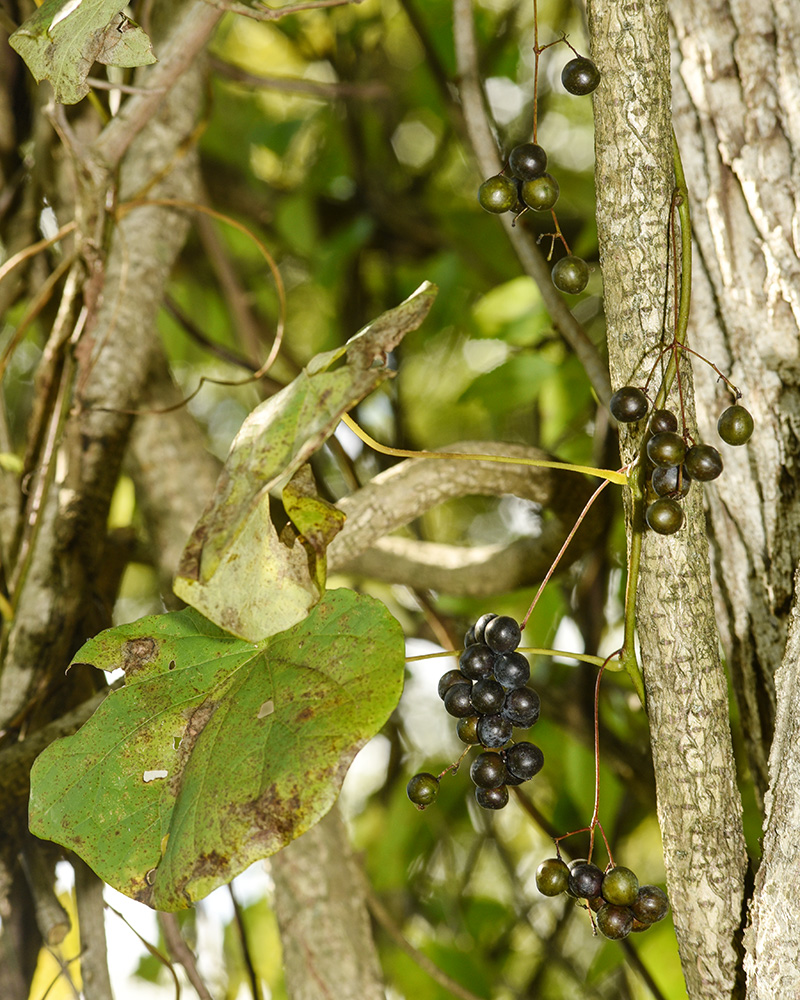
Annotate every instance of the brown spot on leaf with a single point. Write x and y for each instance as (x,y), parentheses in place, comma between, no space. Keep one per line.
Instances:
(137,653)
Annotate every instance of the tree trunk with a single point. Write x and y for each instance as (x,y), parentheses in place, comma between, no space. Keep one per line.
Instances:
(736,101)
(699,806)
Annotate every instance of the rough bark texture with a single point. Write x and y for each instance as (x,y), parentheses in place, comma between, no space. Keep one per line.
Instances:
(328,950)
(737,95)
(699,807)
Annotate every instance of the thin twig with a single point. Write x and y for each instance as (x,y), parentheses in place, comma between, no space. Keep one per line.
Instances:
(369,90)
(486,153)
(384,918)
(255,988)
(125,88)
(182,953)
(275,13)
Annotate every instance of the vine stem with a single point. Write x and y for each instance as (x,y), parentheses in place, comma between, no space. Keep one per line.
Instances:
(596,661)
(608,474)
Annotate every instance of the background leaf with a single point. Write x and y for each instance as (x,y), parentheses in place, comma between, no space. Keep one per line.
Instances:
(216,752)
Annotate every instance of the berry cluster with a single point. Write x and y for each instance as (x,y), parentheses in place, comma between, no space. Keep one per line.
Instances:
(524,183)
(489,696)
(672,462)
(619,903)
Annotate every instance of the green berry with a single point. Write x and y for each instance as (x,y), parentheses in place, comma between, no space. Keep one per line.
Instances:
(498,194)
(540,193)
(580,76)
(735,425)
(663,420)
(666,449)
(620,886)
(614,922)
(570,275)
(466,729)
(664,516)
(423,789)
(552,877)
(651,904)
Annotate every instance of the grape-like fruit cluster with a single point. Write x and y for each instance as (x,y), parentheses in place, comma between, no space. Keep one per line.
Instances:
(672,464)
(525,184)
(619,903)
(489,696)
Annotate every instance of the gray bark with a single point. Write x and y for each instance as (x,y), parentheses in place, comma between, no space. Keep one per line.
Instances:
(737,91)
(699,806)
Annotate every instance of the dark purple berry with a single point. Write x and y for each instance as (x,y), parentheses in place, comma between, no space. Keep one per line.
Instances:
(481,624)
(502,635)
(614,922)
(521,707)
(585,880)
(492,798)
(447,680)
(666,448)
(457,700)
(703,462)
(524,760)
(494,731)
(488,770)
(663,420)
(512,670)
(651,904)
(477,661)
(628,404)
(580,76)
(527,161)
(671,482)
(488,697)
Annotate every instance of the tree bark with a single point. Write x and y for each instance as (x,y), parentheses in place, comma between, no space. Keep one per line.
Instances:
(699,806)
(736,100)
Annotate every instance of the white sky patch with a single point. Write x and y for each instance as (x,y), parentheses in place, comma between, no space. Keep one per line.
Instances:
(366,775)
(349,440)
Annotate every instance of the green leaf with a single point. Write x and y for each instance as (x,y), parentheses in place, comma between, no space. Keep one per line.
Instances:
(216,752)
(63,38)
(235,570)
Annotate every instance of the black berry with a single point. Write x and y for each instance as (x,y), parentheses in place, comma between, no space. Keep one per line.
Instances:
(512,670)
(524,760)
(488,697)
(477,661)
(570,275)
(492,798)
(580,76)
(502,634)
(663,420)
(494,731)
(423,789)
(664,516)
(481,624)
(614,922)
(447,680)
(651,904)
(585,880)
(457,700)
(521,707)
(671,482)
(665,449)
(488,770)
(735,425)
(498,194)
(527,161)
(703,462)
(628,404)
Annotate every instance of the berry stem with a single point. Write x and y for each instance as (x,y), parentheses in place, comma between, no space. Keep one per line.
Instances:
(608,474)
(562,550)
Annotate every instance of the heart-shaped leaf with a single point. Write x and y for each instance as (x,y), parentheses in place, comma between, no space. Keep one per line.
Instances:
(216,752)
